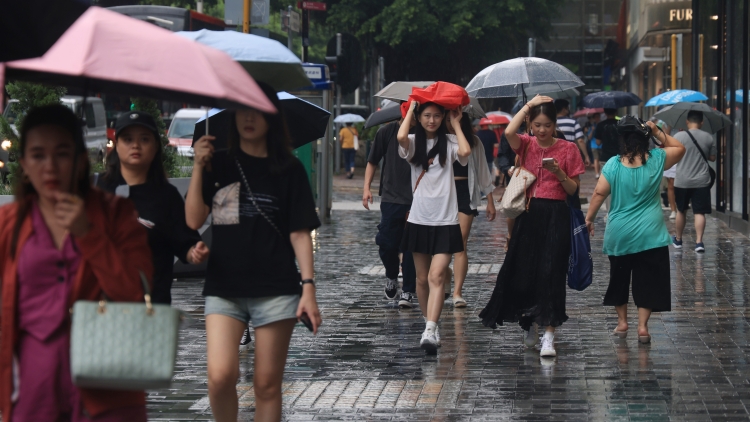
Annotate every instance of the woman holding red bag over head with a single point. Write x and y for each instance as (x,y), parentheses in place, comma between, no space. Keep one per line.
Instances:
(56,248)
(432,232)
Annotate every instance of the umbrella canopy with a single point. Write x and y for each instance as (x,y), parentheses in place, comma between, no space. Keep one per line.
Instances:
(391,113)
(611,99)
(264,59)
(567,94)
(349,118)
(588,111)
(306,122)
(104,51)
(494,119)
(29,28)
(400,91)
(522,76)
(474,109)
(676,96)
(676,117)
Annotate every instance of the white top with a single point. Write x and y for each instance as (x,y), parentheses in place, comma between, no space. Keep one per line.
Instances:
(480,177)
(434,202)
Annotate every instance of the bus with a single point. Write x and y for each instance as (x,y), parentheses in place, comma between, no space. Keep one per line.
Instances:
(172,18)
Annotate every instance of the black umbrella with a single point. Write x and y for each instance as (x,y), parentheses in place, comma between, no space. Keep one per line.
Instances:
(384,115)
(28,28)
(611,99)
(676,117)
(306,122)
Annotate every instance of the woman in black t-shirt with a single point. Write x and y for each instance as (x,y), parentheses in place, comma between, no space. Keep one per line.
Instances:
(263,212)
(135,171)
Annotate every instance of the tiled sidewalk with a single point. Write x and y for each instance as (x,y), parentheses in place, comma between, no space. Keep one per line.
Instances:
(366,363)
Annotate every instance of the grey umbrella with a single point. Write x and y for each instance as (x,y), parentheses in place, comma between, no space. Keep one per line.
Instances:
(611,99)
(400,90)
(390,112)
(676,117)
(522,76)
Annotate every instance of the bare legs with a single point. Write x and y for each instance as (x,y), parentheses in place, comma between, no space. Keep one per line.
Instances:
(431,271)
(461,259)
(670,194)
(681,220)
(643,316)
(223,336)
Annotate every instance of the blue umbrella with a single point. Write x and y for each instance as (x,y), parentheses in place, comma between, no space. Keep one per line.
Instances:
(306,122)
(676,96)
(266,60)
(611,99)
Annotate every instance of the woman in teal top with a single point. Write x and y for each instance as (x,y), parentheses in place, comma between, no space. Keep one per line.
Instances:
(636,237)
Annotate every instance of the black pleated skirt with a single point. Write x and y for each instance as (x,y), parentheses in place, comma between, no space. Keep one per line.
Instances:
(531,284)
(432,240)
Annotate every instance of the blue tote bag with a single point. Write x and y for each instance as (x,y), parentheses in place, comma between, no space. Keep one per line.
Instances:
(580,265)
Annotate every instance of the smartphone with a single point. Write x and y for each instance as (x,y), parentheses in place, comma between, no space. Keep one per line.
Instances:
(304,319)
(548,161)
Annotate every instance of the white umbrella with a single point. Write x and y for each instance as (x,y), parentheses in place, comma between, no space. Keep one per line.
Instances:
(522,76)
(349,118)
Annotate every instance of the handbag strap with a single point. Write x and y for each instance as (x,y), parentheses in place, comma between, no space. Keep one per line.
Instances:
(698,146)
(421,175)
(252,199)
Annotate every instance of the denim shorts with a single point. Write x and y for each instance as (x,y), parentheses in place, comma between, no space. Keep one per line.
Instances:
(261,310)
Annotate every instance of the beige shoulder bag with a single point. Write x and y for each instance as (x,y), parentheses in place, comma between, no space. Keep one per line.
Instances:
(515,202)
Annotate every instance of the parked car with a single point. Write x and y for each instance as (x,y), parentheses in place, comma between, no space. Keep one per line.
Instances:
(95,131)
(181,130)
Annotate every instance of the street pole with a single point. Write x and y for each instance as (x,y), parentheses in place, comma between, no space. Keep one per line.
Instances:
(338,104)
(381,64)
(246,9)
(324,169)
(289,27)
(532,47)
(305,33)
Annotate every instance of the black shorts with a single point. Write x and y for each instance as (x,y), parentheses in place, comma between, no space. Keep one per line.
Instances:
(463,196)
(698,198)
(649,271)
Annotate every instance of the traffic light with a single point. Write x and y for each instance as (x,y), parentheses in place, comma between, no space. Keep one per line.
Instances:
(333,64)
(349,65)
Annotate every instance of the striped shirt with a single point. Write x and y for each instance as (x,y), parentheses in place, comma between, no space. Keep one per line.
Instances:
(570,128)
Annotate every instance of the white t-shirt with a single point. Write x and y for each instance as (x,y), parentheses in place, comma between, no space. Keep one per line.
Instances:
(434,202)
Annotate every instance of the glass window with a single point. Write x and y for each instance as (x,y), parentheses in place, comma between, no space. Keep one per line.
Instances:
(736,51)
(90,117)
(182,128)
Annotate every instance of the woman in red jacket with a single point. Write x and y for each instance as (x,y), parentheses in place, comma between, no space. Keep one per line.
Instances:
(56,248)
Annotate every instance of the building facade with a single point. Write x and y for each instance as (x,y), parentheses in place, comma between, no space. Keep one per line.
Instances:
(700,45)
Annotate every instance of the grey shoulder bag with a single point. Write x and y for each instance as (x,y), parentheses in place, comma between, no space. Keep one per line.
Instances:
(123,345)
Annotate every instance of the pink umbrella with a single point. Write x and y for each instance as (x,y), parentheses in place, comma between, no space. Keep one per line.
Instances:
(104,51)
(587,111)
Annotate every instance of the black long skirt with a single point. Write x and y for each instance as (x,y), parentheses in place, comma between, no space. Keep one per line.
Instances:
(531,283)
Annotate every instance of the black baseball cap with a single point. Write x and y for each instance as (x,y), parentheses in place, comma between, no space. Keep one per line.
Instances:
(561,103)
(135,117)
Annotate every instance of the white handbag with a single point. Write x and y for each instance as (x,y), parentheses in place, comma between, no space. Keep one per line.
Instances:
(515,202)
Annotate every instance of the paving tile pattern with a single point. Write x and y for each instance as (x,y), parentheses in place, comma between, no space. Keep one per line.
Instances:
(366,363)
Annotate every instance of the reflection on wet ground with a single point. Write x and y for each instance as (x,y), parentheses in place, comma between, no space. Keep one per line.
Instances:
(366,363)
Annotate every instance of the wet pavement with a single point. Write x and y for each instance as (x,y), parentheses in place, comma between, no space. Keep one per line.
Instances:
(366,363)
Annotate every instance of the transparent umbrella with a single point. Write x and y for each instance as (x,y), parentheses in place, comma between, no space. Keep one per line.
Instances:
(522,76)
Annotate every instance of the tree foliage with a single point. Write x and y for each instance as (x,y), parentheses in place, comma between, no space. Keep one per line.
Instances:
(449,40)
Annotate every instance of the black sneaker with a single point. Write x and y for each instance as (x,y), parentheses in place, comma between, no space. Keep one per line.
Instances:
(405,300)
(246,339)
(391,289)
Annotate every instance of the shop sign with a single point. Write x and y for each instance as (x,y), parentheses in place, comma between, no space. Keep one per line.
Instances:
(669,15)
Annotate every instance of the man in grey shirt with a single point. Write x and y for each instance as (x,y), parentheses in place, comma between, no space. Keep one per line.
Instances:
(692,183)
(395,201)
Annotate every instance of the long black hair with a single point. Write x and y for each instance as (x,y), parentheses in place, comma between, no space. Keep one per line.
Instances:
(421,155)
(468,130)
(547,109)
(156,173)
(278,141)
(634,145)
(63,117)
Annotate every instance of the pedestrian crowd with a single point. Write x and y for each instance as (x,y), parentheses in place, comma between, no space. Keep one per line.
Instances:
(72,236)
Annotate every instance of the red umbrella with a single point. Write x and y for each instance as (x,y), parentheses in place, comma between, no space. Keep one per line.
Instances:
(587,111)
(104,51)
(494,119)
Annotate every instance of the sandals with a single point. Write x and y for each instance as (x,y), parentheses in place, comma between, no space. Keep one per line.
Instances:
(620,334)
(459,302)
(644,339)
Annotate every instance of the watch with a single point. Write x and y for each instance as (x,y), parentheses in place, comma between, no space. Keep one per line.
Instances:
(307,281)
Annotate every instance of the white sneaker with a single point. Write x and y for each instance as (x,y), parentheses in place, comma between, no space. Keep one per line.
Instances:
(437,336)
(531,337)
(429,343)
(673,215)
(548,346)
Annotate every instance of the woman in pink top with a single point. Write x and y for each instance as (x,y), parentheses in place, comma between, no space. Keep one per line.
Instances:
(530,287)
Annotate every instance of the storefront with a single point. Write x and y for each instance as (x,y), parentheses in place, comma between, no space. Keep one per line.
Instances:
(722,66)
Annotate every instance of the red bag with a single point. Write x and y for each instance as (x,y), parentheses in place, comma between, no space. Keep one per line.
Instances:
(448,95)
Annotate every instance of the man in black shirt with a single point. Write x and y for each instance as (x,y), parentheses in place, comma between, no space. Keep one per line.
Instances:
(606,133)
(396,196)
(489,140)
